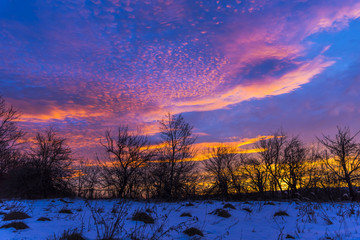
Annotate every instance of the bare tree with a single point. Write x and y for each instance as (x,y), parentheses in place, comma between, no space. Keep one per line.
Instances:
(293,163)
(343,157)
(221,167)
(87,179)
(256,173)
(50,161)
(174,171)
(126,153)
(9,137)
(271,157)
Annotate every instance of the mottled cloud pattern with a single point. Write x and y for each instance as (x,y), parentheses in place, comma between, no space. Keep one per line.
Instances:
(234,68)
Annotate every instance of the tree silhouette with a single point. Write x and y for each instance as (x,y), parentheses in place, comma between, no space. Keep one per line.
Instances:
(174,169)
(343,157)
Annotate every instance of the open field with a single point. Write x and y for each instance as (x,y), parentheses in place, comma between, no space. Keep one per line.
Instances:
(96,219)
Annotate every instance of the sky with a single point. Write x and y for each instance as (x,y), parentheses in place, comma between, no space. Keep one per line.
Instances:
(234,69)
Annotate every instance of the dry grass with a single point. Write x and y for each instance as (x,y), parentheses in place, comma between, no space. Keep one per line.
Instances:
(43,219)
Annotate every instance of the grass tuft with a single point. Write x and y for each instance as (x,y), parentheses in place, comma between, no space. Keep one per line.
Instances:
(288,236)
(64,201)
(16,225)
(229,205)
(186,214)
(193,231)
(221,213)
(15,216)
(189,204)
(247,209)
(70,234)
(142,217)
(43,219)
(281,213)
(66,211)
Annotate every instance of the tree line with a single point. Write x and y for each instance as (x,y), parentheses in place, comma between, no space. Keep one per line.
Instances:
(131,167)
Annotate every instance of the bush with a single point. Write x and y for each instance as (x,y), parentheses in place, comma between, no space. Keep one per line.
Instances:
(281,213)
(229,205)
(193,231)
(142,217)
(15,216)
(16,225)
(221,213)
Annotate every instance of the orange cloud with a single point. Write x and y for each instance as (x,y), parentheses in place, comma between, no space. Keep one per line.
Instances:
(269,87)
(57,113)
(201,148)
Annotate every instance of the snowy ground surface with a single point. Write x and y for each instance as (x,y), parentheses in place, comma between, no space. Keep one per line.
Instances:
(249,220)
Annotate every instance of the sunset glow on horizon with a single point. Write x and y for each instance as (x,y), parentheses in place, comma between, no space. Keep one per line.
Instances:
(236,70)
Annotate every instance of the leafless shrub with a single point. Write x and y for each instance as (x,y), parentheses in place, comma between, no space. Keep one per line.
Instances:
(307,212)
(108,226)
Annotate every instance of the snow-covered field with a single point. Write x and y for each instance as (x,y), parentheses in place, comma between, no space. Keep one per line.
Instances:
(249,220)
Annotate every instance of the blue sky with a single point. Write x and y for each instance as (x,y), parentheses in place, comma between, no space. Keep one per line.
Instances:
(235,69)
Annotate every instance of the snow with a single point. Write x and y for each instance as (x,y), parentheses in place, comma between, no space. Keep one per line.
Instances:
(306,220)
